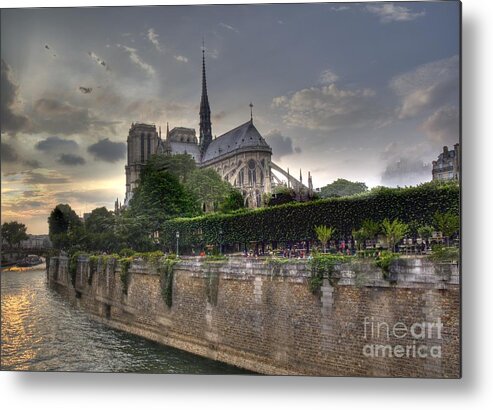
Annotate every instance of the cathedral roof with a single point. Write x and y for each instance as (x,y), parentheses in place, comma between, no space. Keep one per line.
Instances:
(185,148)
(244,137)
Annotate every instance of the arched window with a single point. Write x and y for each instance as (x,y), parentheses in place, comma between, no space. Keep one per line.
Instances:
(148,146)
(142,142)
(241,177)
(252,173)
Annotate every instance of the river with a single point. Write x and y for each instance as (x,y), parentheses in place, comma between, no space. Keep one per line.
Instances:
(41,331)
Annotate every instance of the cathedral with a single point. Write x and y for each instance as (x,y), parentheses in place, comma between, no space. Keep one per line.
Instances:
(241,156)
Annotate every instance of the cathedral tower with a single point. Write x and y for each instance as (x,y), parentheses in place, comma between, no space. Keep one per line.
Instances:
(142,143)
(205,112)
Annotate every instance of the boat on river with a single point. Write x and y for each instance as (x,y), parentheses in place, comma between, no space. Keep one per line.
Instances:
(30,260)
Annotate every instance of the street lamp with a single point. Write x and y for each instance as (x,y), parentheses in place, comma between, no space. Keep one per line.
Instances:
(177,239)
(220,241)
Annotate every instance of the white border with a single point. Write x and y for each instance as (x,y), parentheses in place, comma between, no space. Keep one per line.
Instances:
(94,391)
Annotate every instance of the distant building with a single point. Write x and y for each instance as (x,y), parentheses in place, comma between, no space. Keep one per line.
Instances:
(241,156)
(447,166)
(36,242)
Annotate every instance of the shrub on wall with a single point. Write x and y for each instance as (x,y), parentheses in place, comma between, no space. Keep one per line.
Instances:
(323,266)
(93,266)
(166,279)
(124,275)
(296,221)
(72,266)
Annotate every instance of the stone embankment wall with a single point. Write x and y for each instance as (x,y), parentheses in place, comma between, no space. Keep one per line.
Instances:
(263,317)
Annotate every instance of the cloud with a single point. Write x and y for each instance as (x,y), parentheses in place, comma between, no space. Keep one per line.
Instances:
(228,27)
(71,160)
(328,76)
(443,126)
(182,59)
(31,194)
(280,144)
(8,154)
(339,8)
(12,121)
(219,115)
(55,143)
(32,163)
(153,37)
(405,165)
(389,12)
(98,60)
(60,117)
(93,196)
(406,171)
(32,204)
(329,108)
(13,162)
(107,150)
(213,54)
(132,53)
(427,87)
(38,178)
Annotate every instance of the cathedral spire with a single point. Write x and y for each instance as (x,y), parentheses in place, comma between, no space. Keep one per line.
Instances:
(205,110)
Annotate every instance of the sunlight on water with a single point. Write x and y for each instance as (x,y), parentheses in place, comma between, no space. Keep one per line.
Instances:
(43,332)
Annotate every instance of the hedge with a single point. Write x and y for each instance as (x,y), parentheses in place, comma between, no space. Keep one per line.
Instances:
(296,221)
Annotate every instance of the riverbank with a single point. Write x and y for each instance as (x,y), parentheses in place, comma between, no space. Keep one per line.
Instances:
(263,317)
(42,332)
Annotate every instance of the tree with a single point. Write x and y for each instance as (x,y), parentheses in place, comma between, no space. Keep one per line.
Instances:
(233,201)
(208,187)
(371,228)
(360,236)
(160,196)
(180,165)
(61,220)
(133,232)
(100,220)
(281,195)
(447,223)
(394,231)
(14,232)
(425,231)
(342,187)
(324,233)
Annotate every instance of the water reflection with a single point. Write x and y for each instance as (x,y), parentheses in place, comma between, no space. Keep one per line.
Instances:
(43,332)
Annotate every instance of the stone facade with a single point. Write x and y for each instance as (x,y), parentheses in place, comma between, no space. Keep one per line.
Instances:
(262,316)
(142,142)
(447,166)
(241,155)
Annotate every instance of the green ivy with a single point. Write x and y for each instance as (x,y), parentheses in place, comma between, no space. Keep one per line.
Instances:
(93,266)
(126,252)
(72,266)
(442,253)
(295,221)
(125,264)
(212,286)
(151,258)
(323,266)
(384,261)
(166,279)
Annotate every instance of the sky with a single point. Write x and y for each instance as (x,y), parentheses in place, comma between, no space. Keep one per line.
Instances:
(363,91)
